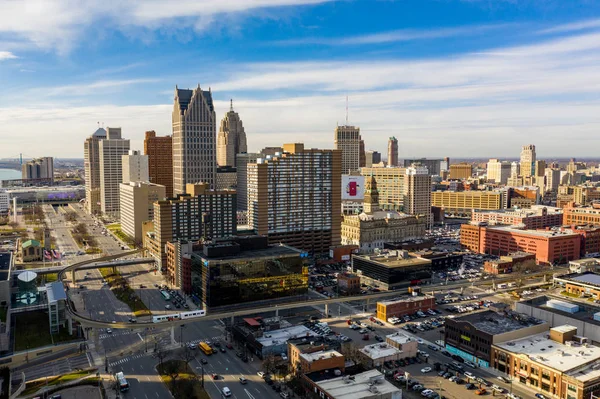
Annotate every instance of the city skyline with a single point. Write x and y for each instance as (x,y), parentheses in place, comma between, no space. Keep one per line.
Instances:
(430,72)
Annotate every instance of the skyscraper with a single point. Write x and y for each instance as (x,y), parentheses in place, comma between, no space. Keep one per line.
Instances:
(362,156)
(135,167)
(91,165)
(347,140)
(40,168)
(194,138)
(295,198)
(372,158)
(393,151)
(231,139)
(417,193)
(160,160)
(241,168)
(498,171)
(111,152)
(137,200)
(528,159)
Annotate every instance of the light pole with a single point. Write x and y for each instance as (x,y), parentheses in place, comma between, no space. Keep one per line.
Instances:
(181,334)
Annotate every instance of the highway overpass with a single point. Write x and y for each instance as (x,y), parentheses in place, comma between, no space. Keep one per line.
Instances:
(56,269)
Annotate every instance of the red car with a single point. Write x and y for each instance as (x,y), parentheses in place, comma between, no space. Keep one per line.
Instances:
(215,376)
(229,346)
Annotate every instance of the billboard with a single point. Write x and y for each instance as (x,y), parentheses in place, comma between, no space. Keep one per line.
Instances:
(353,187)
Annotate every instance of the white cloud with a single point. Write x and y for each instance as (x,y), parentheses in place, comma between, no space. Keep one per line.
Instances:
(403,35)
(100,86)
(7,55)
(573,27)
(57,24)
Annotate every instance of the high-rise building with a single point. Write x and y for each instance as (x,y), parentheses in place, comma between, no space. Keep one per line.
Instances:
(271,150)
(527,163)
(137,205)
(417,193)
(160,160)
(393,151)
(241,167)
(362,159)
(514,169)
(200,213)
(226,178)
(347,140)
(295,198)
(135,167)
(111,152)
(433,165)
(91,165)
(540,168)
(39,168)
(552,179)
(498,171)
(194,138)
(372,158)
(231,139)
(459,171)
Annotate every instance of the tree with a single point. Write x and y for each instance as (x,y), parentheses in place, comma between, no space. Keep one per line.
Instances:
(269,363)
(187,355)
(172,369)
(160,352)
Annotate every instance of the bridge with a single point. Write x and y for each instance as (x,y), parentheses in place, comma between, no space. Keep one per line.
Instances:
(88,322)
(56,269)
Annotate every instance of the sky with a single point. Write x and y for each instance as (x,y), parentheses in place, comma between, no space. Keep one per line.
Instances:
(457,78)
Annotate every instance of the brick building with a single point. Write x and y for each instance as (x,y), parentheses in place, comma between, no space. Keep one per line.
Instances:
(404,306)
(307,355)
(585,215)
(537,217)
(519,261)
(348,283)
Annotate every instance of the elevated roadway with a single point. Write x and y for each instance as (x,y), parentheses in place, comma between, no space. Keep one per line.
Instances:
(88,322)
(55,269)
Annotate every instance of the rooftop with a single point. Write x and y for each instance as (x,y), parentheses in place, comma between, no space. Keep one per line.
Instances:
(535,210)
(394,259)
(584,278)
(269,252)
(31,243)
(498,323)
(553,354)
(539,233)
(311,357)
(277,337)
(586,309)
(406,299)
(379,350)
(357,386)
(55,291)
(400,338)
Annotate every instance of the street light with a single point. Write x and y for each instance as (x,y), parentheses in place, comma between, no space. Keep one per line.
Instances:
(181,334)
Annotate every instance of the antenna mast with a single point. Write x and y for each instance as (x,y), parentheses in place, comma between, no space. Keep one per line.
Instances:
(346,110)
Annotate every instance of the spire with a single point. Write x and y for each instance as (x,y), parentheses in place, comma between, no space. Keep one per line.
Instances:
(231,105)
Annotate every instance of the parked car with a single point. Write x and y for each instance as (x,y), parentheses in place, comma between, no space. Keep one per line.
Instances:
(426,370)
(480,391)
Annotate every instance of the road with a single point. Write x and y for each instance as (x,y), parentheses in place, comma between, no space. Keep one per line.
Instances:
(144,381)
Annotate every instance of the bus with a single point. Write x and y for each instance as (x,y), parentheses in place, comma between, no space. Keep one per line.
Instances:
(123,384)
(204,347)
(165,295)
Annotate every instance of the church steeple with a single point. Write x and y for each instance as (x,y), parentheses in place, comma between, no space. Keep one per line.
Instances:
(371,201)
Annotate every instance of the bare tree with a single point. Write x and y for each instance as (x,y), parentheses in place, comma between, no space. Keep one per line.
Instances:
(268,363)
(160,353)
(172,370)
(187,355)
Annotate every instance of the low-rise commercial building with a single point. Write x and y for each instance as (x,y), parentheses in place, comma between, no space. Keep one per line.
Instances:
(441,260)
(516,262)
(584,265)
(263,338)
(472,336)
(560,364)
(536,217)
(406,344)
(376,354)
(307,355)
(348,283)
(464,202)
(29,250)
(342,253)
(583,215)
(404,306)
(581,284)
(391,269)
(549,246)
(366,385)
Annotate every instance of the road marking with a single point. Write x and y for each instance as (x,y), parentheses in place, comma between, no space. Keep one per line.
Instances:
(249,394)
(142,367)
(139,335)
(147,378)
(146,396)
(157,395)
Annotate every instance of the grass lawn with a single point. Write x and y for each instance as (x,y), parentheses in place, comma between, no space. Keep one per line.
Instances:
(33,331)
(124,293)
(187,384)
(565,293)
(34,386)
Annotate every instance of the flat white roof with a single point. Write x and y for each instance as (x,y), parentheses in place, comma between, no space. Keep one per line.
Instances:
(400,337)
(277,337)
(345,388)
(379,350)
(311,357)
(553,354)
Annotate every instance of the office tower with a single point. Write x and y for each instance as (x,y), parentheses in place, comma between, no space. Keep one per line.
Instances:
(295,198)
(392,152)
(552,179)
(111,152)
(362,159)
(514,169)
(540,168)
(372,158)
(91,165)
(40,168)
(199,213)
(271,151)
(347,140)
(194,138)
(241,168)
(226,178)
(417,193)
(459,171)
(433,165)
(498,171)
(390,186)
(231,139)
(160,160)
(135,167)
(527,164)
(137,200)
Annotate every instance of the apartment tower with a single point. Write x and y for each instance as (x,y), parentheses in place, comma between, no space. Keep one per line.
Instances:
(347,140)
(194,138)
(241,169)
(111,152)
(137,200)
(91,165)
(393,151)
(135,167)
(372,158)
(160,160)
(295,198)
(231,139)
(417,193)
(40,168)
(527,164)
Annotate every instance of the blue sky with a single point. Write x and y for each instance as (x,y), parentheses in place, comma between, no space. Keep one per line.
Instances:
(447,77)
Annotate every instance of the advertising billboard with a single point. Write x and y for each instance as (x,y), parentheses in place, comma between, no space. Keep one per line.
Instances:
(353,188)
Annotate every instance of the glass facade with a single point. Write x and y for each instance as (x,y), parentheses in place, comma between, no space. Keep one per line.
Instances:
(221,282)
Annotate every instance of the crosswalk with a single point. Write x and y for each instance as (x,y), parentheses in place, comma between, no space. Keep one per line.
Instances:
(128,358)
(115,334)
(212,340)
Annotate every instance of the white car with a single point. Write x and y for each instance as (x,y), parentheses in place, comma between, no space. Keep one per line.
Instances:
(426,392)
(420,341)
(108,331)
(284,356)
(426,370)
(469,374)
(261,374)
(226,392)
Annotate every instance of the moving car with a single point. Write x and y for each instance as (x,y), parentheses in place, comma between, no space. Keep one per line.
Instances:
(426,370)
(261,374)
(226,392)
(243,380)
